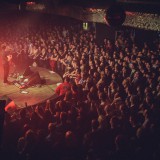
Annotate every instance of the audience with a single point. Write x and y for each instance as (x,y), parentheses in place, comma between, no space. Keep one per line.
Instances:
(110,107)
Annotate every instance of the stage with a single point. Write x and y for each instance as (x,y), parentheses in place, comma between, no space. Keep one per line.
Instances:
(32,95)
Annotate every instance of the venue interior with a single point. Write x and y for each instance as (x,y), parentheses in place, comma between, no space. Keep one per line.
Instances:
(80,79)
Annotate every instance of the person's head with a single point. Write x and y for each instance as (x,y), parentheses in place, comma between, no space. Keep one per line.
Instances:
(22,113)
(40,135)
(149,99)
(63,117)
(128,90)
(113,76)
(132,66)
(90,96)
(114,122)
(47,116)
(121,142)
(123,109)
(147,90)
(70,138)
(133,120)
(26,127)
(62,106)
(137,74)
(113,85)
(30,136)
(139,89)
(67,79)
(94,124)
(106,70)
(39,109)
(134,100)
(74,88)
(51,127)
(68,96)
(3,47)
(21,144)
(102,96)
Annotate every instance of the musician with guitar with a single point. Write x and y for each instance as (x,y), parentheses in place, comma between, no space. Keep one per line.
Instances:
(6,59)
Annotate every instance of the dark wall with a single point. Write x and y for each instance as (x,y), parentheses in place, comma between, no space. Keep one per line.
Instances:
(149,37)
(104,31)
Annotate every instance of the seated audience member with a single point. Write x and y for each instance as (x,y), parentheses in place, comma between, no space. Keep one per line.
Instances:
(63,87)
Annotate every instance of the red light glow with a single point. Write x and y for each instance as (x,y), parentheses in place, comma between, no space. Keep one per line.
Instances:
(30,3)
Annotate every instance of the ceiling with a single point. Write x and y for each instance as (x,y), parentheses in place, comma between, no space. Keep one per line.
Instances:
(149,6)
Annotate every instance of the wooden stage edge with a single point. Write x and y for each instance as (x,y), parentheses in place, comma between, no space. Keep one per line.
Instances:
(35,95)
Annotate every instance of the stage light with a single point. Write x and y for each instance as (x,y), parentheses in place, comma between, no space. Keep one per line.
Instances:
(30,3)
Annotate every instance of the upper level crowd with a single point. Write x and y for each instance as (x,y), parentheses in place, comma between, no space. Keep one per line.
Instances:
(112,109)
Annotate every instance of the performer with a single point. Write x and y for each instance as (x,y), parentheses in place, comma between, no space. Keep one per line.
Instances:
(33,79)
(6,58)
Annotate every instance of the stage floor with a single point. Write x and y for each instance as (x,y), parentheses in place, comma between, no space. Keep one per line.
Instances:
(35,94)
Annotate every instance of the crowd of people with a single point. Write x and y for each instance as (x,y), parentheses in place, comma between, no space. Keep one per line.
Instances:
(110,107)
